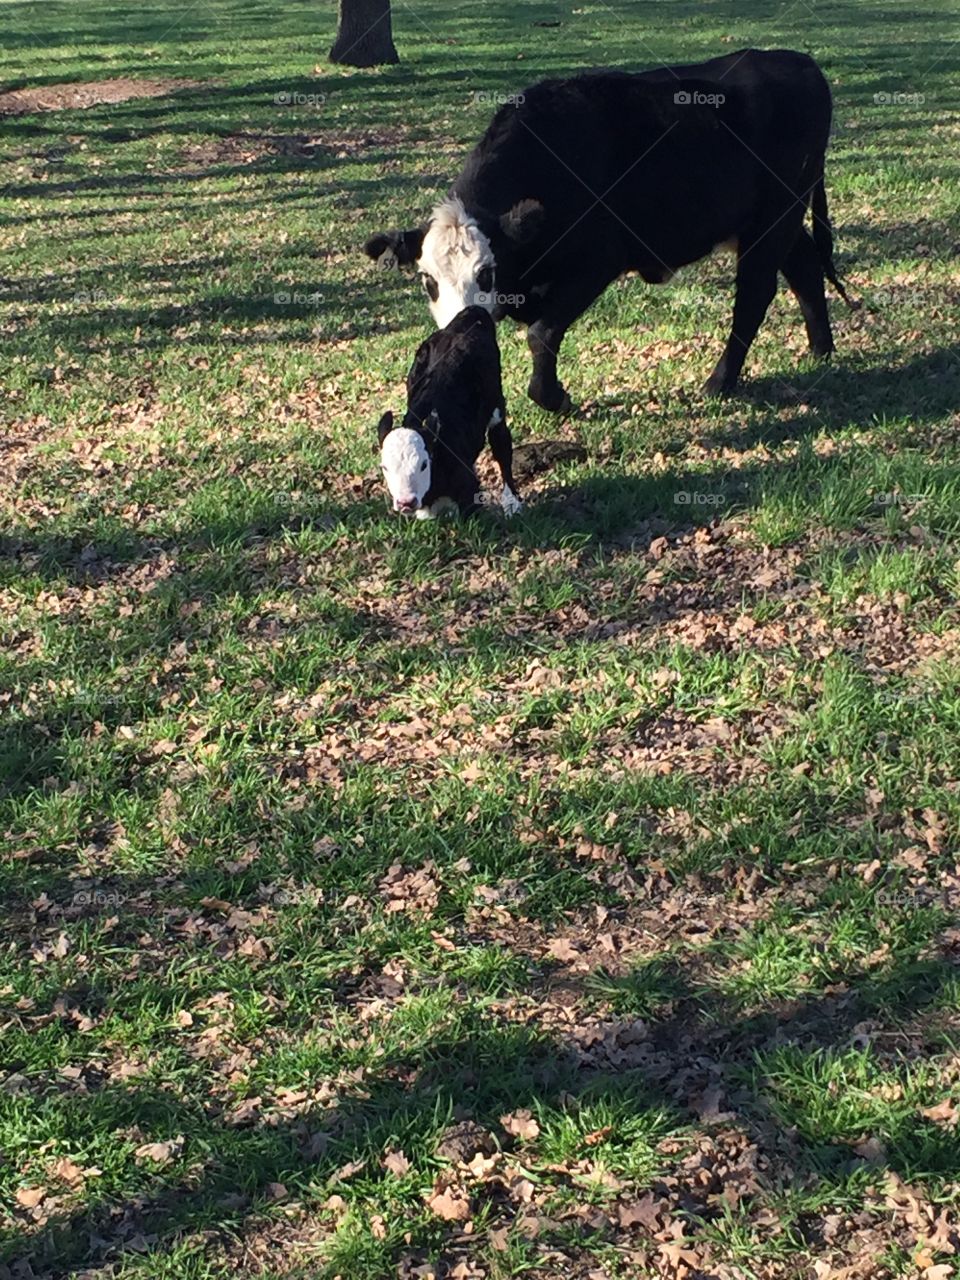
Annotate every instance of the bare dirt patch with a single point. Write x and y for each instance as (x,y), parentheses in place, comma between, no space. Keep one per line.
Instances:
(93,93)
(247,148)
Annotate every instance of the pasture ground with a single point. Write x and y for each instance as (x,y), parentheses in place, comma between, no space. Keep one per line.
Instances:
(569,898)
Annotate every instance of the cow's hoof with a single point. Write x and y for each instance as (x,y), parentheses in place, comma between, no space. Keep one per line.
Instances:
(718,386)
(554,399)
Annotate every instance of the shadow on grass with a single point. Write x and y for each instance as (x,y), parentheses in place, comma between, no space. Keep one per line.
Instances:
(223,559)
(604,504)
(272,310)
(923,388)
(489,1066)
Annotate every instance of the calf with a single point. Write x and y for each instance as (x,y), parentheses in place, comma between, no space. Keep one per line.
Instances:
(454,404)
(579,181)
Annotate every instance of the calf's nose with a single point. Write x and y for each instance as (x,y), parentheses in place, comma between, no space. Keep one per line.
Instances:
(406,505)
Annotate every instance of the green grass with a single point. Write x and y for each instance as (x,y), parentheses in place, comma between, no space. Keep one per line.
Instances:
(325,832)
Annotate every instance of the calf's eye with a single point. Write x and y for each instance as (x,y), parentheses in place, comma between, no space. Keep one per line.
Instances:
(485,279)
(433,293)
(423,467)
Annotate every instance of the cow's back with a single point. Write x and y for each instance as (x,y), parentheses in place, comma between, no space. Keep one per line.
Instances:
(686,152)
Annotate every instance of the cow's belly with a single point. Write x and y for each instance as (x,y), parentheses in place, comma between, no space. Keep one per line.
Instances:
(656,274)
(658,263)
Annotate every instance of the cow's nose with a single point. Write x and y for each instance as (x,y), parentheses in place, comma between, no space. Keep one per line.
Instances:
(406,505)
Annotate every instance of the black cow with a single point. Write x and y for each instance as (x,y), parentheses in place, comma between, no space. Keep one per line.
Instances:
(454,404)
(577,181)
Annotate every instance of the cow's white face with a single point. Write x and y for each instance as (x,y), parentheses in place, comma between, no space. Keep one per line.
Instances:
(456,264)
(406,468)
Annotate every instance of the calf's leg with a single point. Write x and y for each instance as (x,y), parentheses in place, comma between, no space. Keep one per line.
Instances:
(501,446)
(455,483)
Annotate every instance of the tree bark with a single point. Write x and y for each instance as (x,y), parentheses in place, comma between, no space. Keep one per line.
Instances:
(364,34)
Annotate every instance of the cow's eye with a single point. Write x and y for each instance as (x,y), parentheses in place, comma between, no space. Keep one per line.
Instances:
(485,279)
(423,467)
(433,293)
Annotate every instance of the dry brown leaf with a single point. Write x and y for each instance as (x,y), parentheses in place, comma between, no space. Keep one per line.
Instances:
(347,1170)
(499,1238)
(30,1197)
(451,1203)
(645,1212)
(217,904)
(482,1166)
(160,1152)
(520,1124)
(872,1150)
(679,1257)
(943,1113)
(708,1108)
(67,1171)
(521,1189)
(561,949)
(396,1162)
(245,1112)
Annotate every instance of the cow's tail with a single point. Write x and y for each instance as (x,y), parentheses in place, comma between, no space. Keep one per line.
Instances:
(823,239)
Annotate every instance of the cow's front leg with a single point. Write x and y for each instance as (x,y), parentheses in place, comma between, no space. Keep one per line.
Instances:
(545,388)
(567,299)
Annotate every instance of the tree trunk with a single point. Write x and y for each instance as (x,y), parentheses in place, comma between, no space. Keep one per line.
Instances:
(364,34)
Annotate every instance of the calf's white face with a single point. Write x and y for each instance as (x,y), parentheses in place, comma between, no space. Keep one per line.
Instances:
(456,263)
(406,468)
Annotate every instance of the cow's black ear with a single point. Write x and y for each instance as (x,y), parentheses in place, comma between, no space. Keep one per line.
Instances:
(395,248)
(523,222)
(384,427)
(431,424)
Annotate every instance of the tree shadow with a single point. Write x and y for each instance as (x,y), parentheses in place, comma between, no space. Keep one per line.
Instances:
(334,311)
(839,396)
(660,1071)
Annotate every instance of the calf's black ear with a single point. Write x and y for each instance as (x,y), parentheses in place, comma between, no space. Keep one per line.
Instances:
(395,248)
(523,222)
(384,427)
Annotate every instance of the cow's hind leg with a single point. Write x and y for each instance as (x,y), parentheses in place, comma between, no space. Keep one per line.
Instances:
(803,272)
(756,287)
(501,446)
